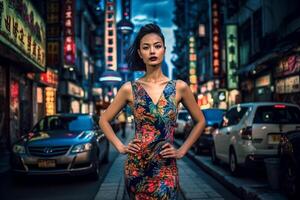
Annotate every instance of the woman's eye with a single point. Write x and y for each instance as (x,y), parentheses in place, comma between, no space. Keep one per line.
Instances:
(145,48)
(158,46)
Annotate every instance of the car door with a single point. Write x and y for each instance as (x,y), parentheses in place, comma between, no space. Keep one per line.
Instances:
(221,135)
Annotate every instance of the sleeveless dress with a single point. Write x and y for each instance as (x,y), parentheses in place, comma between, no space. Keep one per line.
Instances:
(148,175)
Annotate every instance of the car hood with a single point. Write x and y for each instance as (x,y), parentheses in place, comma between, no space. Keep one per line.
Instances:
(57,137)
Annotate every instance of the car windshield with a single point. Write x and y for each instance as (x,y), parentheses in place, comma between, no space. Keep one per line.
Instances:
(69,123)
(213,114)
(277,114)
(183,116)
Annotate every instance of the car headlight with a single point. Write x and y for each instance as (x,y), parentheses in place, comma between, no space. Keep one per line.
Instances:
(81,148)
(18,149)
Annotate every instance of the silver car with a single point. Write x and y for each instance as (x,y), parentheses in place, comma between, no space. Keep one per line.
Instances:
(250,132)
(62,144)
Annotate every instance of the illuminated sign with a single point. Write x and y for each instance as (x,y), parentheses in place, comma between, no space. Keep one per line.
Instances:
(69,35)
(75,90)
(50,101)
(22,29)
(193,64)
(50,78)
(232,56)
(216,61)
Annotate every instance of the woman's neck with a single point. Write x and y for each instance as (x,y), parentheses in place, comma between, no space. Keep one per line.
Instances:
(154,75)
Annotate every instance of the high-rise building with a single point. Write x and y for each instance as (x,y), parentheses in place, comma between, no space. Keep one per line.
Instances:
(125,29)
(110,35)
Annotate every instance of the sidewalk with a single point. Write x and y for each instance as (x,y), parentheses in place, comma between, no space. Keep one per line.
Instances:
(244,187)
(113,187)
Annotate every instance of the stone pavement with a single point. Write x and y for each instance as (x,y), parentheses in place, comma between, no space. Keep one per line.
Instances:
(112,188)
(246,187)
(192,186)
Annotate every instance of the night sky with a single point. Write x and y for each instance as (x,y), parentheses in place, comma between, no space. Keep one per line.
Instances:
(143,12)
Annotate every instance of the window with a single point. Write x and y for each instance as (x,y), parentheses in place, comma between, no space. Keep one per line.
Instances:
(234,116)
(278,114)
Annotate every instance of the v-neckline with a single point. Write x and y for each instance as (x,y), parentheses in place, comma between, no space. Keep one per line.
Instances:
(160,96)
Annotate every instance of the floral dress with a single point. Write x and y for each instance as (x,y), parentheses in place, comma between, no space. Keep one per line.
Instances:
(147,174)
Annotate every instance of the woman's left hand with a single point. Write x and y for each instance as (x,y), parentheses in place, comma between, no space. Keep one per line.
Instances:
(169,151)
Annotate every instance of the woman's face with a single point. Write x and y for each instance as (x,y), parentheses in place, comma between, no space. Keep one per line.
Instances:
(152,49)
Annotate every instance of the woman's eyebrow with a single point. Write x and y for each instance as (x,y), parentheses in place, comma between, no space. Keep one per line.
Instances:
(149,44)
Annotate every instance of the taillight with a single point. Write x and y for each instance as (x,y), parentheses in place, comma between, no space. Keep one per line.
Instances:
(246,133)
(279,106)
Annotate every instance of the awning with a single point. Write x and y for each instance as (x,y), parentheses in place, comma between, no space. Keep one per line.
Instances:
(256,65)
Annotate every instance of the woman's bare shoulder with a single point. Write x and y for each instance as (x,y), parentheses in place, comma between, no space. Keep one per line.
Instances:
(126,88)
(181,85)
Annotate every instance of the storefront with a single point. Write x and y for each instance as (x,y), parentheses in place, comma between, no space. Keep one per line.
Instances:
(22,50)
(287,83)
(263,88)
(72,96)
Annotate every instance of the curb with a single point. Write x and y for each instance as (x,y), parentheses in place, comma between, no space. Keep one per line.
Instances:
(243,192)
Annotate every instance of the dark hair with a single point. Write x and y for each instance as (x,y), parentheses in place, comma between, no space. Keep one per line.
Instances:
(133,59)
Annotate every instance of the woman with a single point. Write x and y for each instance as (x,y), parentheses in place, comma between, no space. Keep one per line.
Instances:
(150,168)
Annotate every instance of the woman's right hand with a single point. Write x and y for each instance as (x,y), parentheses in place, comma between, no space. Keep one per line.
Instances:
(132,147)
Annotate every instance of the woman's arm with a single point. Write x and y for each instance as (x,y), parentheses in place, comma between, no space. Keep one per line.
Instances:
(189,102)
(120,100)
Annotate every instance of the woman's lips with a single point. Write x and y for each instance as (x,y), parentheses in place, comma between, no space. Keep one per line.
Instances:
(153,58)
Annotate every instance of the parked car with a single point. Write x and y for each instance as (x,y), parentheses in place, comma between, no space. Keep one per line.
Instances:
(289,154)
(213,118)
(183,117)
(62,144)
(250,132)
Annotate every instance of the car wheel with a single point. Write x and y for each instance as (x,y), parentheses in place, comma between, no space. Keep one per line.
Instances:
(215,160)
(94,176)
(289,182)
(233,166)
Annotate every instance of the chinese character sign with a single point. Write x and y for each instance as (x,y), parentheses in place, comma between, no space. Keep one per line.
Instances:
(69,35)
(232,55)
(23,30)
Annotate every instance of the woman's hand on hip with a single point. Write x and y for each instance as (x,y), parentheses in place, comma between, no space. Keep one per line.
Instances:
(132,147)
(169,151)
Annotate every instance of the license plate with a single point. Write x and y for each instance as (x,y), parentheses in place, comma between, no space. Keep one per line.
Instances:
(274,139)
(46,163)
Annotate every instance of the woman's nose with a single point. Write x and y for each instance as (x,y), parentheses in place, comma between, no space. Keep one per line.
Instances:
(152,49)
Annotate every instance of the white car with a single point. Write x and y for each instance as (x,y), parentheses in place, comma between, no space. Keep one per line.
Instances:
(183,117)
(250,132)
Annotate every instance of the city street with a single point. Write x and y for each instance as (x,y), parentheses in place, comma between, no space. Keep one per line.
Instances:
(194,183)
(224,75)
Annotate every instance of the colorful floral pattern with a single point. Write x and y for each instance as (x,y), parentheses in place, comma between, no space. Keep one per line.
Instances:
(147,174)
